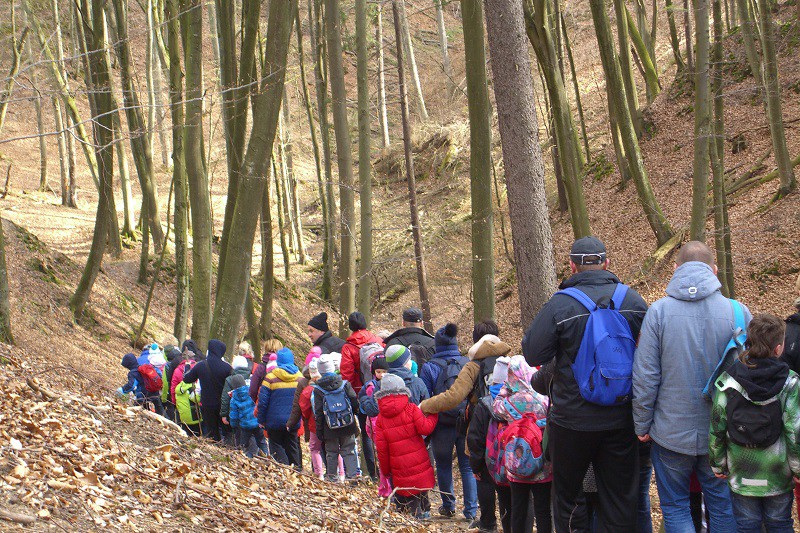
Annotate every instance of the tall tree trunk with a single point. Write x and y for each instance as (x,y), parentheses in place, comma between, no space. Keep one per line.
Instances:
(447,69)
(364,161)
(280,206)
(522,155)
(286,201)
(235,280)
(62,151)
(196,171)
(702,124)
(17,45)
(687,30)
(105,159)
(140,144)
(480,161)
(626,64)
(408,46)
(144,257)
(267,265)
(616,90)
(673,36)
(749,38)
(291,180)
(575,87)
(5,307)
(774,113)
(37,104)
(321,85)
(179,176)
(69,187)
(344,157)
(150,56)
(647,60)
(419,253)
(158,86)
(381,76)
(124,178)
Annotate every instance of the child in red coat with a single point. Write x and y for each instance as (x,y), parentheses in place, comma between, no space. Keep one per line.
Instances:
(402,454)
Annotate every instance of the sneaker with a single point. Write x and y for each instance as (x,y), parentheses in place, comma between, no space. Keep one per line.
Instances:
(477,525)
(447,513)
(423,516)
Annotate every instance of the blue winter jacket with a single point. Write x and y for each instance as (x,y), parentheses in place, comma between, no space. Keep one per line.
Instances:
(275,398)
(135,382)
(682,340)
(431,370)
(242,407)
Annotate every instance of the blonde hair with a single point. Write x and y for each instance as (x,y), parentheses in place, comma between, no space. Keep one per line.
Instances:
(245,348)
(272,346)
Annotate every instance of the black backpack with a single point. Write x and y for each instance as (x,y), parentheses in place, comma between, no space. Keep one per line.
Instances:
(448,373)
(753,425)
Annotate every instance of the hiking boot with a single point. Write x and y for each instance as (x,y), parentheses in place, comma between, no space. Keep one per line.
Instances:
(424,516)
(477,525)
(447,513)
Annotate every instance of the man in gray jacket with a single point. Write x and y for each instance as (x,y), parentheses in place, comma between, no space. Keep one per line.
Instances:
(682,341)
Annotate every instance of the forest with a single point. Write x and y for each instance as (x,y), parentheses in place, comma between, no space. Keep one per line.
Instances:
(227,169)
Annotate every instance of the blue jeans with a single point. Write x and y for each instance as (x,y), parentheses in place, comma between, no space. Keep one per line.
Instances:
(672,478)
(443,440)
(775,512)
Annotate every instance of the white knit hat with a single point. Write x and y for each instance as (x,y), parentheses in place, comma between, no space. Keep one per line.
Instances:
(239,362)
(500,374)
(326,364)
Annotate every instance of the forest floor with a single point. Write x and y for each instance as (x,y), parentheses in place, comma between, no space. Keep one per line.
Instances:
(74,458)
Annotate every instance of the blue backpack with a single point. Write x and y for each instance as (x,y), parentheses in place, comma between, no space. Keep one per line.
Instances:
(604,364)
(449,369)
(337,407)
(732,351)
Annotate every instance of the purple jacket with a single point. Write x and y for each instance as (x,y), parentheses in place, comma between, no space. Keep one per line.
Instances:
(259,373)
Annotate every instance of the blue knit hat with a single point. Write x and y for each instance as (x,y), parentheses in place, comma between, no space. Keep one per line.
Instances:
(447,335)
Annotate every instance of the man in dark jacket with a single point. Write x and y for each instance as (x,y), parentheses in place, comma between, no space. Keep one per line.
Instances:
(791,350)
(320,334)
(582,432)
(412,335)
(211,373)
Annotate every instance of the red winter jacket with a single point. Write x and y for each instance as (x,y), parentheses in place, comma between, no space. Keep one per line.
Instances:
(307,409)
(401,451)
(350,368)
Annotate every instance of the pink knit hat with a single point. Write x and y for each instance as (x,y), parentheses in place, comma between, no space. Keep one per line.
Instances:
(272,362)
(315,352)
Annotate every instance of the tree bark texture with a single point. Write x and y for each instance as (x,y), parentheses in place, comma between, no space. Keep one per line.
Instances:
(408,46)
(702,124)
(364,163)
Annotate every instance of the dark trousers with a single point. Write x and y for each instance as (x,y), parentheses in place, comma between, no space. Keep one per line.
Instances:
(416,504)
(169,411)
(243,437)
(211,422)
(521,519)
(153,403)
(193,429)
(367,446)
(486,502)
(504,506)
(285,447)
(615,456)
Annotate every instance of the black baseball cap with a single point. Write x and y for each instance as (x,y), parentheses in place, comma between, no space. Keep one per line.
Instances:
(412,314)
(588,251)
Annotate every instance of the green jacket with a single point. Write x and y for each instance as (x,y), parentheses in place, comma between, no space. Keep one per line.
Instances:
(756,472)
(187,400)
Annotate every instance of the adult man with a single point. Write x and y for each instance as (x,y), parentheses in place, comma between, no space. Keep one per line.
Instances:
(211,373)
(412,334)
(791,351)
(682,341)
(582,432)
(321,336)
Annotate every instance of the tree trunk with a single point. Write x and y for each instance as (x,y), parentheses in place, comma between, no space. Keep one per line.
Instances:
(196,171)
(344,157)
(616,90)
(774,113)
(148,68)
(37,104)
(749,38)
(267,264)
(179,176)
(321,85)
(480,162)
(419,253)
(124,178)
(576,89)
(158,87)
(291,181)
(286,201)
(6,336)
(62,151)
(646,58)
(522,156)
(235,280)
(68,189)
(673,36)
(140,144)
(280,199)
(702,124)
(17,45)
(381,76)
(364,161)
(144,257)
(105,159)
(687,30)
(447,69)
(60,82)
(626,64)
(408,46)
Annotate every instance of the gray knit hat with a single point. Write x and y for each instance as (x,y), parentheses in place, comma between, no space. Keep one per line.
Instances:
(392,385)
(326,364)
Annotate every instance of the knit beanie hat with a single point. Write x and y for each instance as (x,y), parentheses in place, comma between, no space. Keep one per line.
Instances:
(500,373)
(319,322)
(272,362)
(156,356)
(446,336)
(315,352)
(488,346)
(313,369)
(397,355)
(370,351)
(356,321)
(379,363)
(237,380)
(326,364)
(239,362)
(392,385)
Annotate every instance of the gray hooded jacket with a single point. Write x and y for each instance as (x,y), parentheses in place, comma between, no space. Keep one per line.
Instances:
(681,343)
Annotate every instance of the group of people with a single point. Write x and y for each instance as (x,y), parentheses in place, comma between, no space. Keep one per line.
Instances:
(565,435)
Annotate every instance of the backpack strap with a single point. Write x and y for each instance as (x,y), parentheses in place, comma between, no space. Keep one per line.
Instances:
(581,296)
(738,315)
(619,295)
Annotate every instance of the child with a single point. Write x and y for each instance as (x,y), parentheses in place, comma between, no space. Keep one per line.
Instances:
(755,421)
(335,407)
(378,369)
(136,385)
(187,401)
(315,445)
(402,455)
(242,419)
(480,424)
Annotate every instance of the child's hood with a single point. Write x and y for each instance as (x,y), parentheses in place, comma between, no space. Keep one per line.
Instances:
(763,381)
(129,361)
(241,394)
(283,375)
(392,405)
